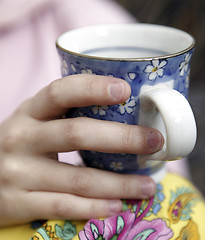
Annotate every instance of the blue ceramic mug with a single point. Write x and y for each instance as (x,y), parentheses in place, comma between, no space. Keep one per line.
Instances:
(155,61)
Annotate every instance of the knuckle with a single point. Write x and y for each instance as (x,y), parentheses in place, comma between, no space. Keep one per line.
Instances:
(124,187)
(128,138)
(93,210)
(23,107)
(8,168)
(4,202)
(3,173)
(72,132)
(10,139)
(89,87)
(62,208)
(80,183)
(53,92)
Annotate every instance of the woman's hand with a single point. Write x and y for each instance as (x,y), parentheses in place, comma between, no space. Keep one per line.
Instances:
(34,185)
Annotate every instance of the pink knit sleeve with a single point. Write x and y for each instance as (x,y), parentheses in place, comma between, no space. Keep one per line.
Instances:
(78,13)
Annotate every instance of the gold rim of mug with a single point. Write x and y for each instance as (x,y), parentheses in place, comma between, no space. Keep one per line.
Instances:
(130,59)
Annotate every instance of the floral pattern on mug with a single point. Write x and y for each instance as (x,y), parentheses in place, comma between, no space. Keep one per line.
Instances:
(127,106)
(73,68)
(87,71)
(156,68)
(183,68)
(132,75)
(98,109)
(116,166)
(64,68)
(150,73)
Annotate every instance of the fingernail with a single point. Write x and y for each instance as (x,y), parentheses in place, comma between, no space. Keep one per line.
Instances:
(155,141)
(148,189)
(115,206)
(117,90)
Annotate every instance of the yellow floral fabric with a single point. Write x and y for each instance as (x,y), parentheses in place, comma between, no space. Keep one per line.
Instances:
(176,212)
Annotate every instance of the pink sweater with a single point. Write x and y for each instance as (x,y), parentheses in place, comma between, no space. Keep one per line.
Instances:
(28,56)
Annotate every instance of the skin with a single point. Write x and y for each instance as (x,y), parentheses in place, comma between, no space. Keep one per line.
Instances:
(34,185)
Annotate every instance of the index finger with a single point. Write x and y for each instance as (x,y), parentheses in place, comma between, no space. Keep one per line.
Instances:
(77,91)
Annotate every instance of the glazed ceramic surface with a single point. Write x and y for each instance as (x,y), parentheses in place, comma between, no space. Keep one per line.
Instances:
(155,61)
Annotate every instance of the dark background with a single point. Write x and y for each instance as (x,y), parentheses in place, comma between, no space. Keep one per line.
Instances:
(188,15)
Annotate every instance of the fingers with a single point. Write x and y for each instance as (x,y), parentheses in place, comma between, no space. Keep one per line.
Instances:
(75,91)
(83,90)
(67,192)
(47,189)
(65,206)
(31,205)
(52,176)
(66,135)
(96,135)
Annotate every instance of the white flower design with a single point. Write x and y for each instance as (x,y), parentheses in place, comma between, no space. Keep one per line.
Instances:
(64,68)
(183,67)
(73,67)
(87,71)
(156,68)
(98,109)
(187,79)
(132,75)
(110,75)
(80,114)
(97,164)
(127,106)
(116,166)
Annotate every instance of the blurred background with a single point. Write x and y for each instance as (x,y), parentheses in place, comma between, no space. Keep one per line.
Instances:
(188,15)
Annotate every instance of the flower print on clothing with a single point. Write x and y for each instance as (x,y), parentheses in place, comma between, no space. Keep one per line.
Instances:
(181,204)
(127,106)
(150,230)
(157,201)
(189,232)
(98,109)
(116,227)
(156,208)
(68,231)
(125,226)
(156,68)
(159,193)
(183,67)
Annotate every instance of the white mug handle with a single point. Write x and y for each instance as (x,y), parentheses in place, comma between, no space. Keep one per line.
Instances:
(168,111)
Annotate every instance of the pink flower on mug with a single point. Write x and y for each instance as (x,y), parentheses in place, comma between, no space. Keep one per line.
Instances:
(127,106)
(156,68)
(183,68)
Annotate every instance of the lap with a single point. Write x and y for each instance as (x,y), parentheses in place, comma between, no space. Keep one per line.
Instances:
(177,211)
